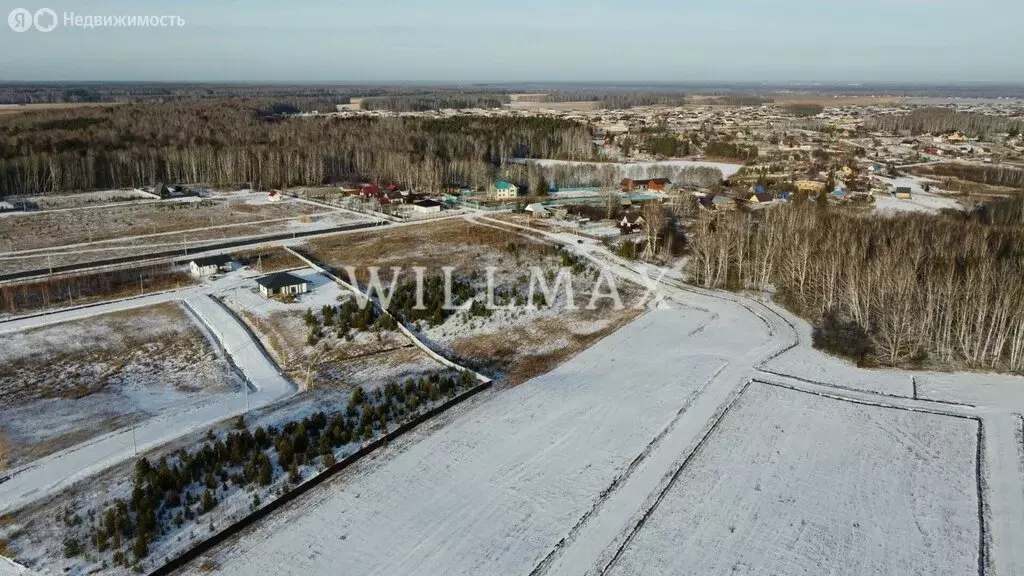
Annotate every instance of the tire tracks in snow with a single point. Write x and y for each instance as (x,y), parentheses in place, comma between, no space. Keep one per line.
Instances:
(545,564)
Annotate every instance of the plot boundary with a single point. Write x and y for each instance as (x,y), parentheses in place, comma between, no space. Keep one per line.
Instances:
(543,565)
(983,508)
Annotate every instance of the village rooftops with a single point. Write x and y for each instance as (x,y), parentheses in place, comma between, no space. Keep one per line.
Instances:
(279,280)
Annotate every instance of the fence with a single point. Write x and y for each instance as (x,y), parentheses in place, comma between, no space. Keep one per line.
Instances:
(408,333)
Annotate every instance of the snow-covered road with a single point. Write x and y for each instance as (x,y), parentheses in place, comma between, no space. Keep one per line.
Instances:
(53,473)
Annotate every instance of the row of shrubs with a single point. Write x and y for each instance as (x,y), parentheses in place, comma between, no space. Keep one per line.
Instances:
(186,485)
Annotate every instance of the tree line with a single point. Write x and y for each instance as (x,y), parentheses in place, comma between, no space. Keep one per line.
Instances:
(434,101)
(226,143)
(609,99)
(996,175)
(907,290)
(944,120)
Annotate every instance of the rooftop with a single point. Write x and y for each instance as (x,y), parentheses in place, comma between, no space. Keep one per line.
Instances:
(279,280)
(218,260)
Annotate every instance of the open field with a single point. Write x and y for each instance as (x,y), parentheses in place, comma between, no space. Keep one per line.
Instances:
(65,383)
(793,483)
(962,187)
(583,106)
(30,231)
(508,474)
(832,100)
(268,260)
(643,169)
(85,200)
(68,290)
(515,343)
(22,108)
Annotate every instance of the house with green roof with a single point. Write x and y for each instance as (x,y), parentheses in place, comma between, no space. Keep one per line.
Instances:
(505,190)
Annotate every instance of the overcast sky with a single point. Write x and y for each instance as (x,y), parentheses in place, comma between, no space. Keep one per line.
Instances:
(542,40)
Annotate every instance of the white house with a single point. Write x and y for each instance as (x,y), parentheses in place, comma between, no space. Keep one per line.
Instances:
(504,190)
(426,206)
(275,196)
(282,284)
(203,267)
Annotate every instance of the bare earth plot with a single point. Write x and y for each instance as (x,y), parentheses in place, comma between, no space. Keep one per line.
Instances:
(794,483)
(496,483)
(65,383)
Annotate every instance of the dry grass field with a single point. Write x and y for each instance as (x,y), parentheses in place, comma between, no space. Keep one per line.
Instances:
(515,344)
(22,108)
(455,243)
(28,231)
(65,383)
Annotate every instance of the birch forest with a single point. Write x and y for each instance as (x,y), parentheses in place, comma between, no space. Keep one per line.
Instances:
(228,143)
(911,290)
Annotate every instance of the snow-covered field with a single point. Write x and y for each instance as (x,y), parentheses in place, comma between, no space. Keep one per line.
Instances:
(511,473)
(174,222)
(515,343)
(793,483)
(644,169)
(929,202)
(98,199)
(554,476)
(66,383)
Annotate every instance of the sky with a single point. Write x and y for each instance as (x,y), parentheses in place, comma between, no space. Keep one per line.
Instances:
(777,41)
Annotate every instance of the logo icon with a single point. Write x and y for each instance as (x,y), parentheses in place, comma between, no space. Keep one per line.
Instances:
(20,19)
(46,19)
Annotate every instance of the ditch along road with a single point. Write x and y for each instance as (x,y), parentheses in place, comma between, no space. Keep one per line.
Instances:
(998,403)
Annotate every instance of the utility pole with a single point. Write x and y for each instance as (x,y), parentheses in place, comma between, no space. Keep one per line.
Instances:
(135,444)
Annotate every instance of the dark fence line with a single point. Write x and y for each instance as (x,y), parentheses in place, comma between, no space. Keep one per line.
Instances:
(234,529)
(185,252)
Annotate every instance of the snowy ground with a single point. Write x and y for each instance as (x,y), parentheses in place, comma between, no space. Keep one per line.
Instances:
(494,510)
(929,202)
(170,222)
(513,343)
(555,475)
(54,473)
(643,169)
(98,199)
(66,383)
(793,483)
